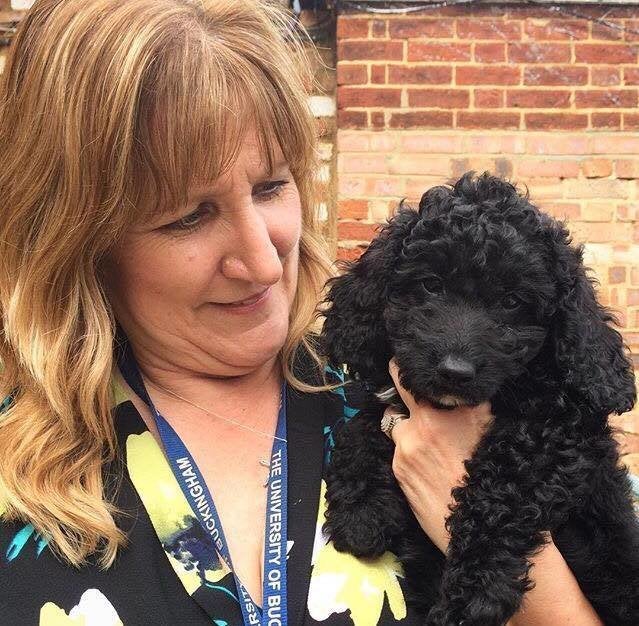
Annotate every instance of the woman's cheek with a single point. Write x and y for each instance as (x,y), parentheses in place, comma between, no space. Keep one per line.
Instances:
(286,235)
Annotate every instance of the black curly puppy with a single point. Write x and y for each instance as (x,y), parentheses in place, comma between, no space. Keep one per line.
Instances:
(480,296)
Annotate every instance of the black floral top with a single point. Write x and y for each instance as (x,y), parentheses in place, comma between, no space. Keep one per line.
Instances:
(167,575)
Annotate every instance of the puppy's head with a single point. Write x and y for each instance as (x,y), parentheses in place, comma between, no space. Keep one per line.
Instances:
(470,292)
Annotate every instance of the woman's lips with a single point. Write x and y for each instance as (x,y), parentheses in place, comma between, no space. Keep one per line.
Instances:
(249,304)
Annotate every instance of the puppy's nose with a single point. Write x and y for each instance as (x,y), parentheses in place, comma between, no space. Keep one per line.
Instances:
(455,369)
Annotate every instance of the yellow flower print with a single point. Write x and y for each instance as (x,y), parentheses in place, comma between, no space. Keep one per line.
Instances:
(164,501)
(93,610)
(152,476)
(341,582)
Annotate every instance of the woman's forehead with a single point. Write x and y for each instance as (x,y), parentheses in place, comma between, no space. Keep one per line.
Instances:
(250,163)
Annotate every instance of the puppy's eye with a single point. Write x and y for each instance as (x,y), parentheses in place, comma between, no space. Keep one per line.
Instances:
(511,301)
(432,284)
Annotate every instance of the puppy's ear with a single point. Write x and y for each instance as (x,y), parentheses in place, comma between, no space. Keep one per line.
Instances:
(354,331)
(590,354)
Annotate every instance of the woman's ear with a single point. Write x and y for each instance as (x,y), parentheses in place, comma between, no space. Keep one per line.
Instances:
(354,331)
(590,354)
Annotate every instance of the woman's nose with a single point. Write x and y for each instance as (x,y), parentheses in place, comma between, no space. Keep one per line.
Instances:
(251,255)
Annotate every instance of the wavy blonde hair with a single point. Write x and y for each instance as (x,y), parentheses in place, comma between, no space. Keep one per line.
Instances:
(108,110)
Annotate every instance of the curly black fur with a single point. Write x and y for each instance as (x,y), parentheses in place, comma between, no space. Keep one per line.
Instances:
(481,296)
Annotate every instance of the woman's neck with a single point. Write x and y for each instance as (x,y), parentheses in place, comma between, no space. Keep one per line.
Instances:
(183,390)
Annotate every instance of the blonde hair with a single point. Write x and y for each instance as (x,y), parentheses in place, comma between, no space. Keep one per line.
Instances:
(108,110)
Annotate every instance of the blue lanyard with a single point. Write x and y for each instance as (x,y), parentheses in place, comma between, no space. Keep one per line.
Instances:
(199,497)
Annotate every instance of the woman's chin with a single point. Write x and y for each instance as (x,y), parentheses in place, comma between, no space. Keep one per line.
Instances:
(249,349)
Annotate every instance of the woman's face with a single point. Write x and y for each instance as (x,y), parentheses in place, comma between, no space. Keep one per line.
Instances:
(176,282)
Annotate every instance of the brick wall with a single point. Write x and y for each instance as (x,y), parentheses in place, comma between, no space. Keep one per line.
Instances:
(545,99)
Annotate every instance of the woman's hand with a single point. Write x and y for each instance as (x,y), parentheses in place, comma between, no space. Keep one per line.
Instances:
(430,449)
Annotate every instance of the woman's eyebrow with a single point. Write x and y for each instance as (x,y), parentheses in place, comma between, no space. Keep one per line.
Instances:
(277,165)
(261,172)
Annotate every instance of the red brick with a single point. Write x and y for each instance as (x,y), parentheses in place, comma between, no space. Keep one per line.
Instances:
(627,169)
(605,120)
(352,142)
(487,75)
(601,31)
(378,74)
(632,443)
(616,275)
(597,168)
(631,121)
(349,74)
(352,209)
(350,254)
(606,76)
(348,186)
(631,75)
(425,75)
(352,119)
(439,98)
(598,212)
(459,167)
(634,276)
(596,232)
(481,143)
(426,28)
(555,144)
(362,163)
(420,165)
(393,186)
(377,118)
(555,168)
(368,97)
(627,212)
(352,27)
(370,50)
(539,52)
(490,52)
(422,119)
(632,25)
(563,210)
(533,98)
(503,167)
(435,51)
(556,30)
(633,297)
(379,28)
(556,75)
(552,121)
(617,144)
(430,144)
(605,53)
(596,188)
(606,98)
(490,119)
(383,142)
(489,98)
(488,29)
(358,231)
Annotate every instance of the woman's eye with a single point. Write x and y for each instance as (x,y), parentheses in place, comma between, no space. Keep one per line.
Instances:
(194,219)
(433,284)
(271,189)
(511,301)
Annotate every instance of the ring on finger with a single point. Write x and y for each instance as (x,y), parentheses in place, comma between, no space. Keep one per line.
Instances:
(389,421)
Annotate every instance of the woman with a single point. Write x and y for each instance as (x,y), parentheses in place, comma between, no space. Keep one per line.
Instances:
(161,264)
